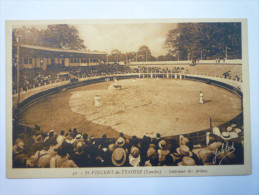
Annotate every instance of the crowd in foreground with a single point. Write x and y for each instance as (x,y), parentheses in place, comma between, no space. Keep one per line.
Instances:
(74,149)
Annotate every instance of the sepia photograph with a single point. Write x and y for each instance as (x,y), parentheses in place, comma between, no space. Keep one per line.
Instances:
(127,98)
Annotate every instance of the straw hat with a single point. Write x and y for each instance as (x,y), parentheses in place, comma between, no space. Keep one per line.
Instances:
(184,140)
(229,128)
(234,125)
(237,130)
(120,142)
(186,161)
(162,144)
(184,150)
(118,157)
(233,135)
(225,135)
(78,136)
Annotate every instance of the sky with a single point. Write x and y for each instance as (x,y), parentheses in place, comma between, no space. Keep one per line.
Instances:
(125,37)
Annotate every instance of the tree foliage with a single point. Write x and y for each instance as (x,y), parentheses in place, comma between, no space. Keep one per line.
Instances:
(208,39)
(144,54)
(57,36)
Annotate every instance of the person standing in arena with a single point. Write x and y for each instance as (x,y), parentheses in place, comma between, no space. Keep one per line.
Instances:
(97,101)
(201,97)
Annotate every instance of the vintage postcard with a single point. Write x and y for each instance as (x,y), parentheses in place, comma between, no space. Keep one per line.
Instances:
(127,98)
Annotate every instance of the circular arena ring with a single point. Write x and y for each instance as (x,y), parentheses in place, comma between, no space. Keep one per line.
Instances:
(136,104)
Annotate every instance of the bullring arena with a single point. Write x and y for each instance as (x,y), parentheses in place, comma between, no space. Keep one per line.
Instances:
(135,107)
(144,106)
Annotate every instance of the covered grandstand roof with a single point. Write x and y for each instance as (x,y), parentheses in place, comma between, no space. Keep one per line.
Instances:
(31,50)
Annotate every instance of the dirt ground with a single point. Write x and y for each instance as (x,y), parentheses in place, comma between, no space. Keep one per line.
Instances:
(141,107)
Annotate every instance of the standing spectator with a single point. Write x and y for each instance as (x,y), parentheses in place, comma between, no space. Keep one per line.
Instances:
(61,137)
(162,152)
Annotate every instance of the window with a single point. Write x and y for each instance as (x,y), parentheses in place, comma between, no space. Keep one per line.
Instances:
(52,60)
(26,61)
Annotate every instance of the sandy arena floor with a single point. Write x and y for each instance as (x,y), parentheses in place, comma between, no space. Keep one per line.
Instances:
(142,107)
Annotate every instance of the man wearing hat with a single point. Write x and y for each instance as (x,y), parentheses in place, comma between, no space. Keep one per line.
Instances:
(97,101)
(42,158)
(183,151)
(119,157)
(61,138)
(18,154)
(134,157)
(201,97)
(152,156)
(38,143)
(60,160)
(80,156)
(120,142)
(162,152)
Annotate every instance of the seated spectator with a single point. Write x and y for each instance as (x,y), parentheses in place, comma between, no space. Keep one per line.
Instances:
(38,143)
(182,151)
(74,133)
(51,137)
(80,157)
(41,159)
(134,141)
(134,157)
(18,154)
(156,140)
(19,146)
(205,156)
(122,135)
(60,160)
(186,141)
(78,138)
(104,143)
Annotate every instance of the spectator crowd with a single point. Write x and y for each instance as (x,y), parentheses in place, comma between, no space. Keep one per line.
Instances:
(60,149)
